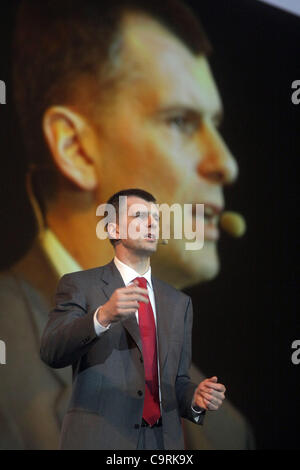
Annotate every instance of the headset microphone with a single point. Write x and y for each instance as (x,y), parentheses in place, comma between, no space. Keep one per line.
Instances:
(233,223)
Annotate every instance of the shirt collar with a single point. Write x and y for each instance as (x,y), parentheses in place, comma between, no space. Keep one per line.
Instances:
(129,274)
(59,257)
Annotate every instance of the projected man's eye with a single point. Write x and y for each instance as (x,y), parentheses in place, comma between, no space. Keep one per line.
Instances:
(187,122)
(141,215)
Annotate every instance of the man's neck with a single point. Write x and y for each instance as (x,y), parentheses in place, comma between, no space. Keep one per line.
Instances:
(77,233)
(134,260)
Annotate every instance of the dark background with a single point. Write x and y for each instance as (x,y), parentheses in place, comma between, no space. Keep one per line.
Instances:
(247,318)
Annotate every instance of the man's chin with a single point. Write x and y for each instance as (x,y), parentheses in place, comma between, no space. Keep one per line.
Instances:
(183,268)
(146,247)
(197,274)
(202,266)
(151,249)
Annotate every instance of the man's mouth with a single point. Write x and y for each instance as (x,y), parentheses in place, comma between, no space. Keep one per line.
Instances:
(211,219)
(151,237)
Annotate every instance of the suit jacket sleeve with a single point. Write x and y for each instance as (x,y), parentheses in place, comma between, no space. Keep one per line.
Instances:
(70,329)
(185,388)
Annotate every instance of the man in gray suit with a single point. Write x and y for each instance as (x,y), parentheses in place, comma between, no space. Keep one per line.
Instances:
(131,380)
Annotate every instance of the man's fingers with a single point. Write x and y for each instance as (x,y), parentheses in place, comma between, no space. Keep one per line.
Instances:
(211,402)
(214,378)
(128,304)
(206,395)
(124,311)
(132,293)
(212,398)
(134,289)
(133,297)
(210,393)
(210,406)
(215,386)
(214,393)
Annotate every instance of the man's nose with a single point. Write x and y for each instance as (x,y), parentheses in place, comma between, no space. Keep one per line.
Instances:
(152,223)
(217,163)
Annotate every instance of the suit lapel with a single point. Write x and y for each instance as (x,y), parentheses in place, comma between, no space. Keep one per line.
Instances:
(162,304)
(112,280)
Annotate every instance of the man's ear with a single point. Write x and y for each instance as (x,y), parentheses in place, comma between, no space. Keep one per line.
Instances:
(113,230)
(66,133)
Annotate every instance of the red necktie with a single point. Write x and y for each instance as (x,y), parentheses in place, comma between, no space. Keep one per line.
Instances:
(151,411)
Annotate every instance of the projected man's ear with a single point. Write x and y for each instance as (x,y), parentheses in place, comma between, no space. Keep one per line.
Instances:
(67,135)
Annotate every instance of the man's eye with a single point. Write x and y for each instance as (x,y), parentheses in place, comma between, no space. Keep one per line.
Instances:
(142,215)
(185,124)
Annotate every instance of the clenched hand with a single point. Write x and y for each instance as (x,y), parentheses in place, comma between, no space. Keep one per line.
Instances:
(209,394)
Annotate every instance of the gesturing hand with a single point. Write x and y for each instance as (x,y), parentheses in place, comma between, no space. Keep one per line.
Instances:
(123,302)
(209,394)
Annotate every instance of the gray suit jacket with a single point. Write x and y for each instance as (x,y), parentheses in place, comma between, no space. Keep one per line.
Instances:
(106,406)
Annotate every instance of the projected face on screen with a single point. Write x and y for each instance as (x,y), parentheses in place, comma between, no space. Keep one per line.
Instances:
(158,131)
(161,134)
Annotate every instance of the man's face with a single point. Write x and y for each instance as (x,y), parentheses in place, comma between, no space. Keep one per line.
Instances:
(139,226)
(159,133)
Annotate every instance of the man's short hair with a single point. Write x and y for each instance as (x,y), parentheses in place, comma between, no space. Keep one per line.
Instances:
(114,201)
(57,42)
